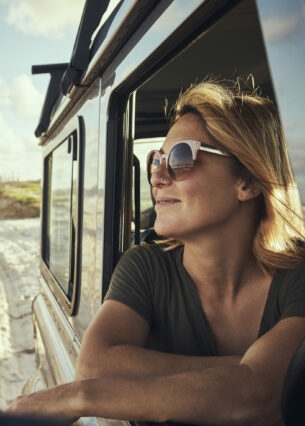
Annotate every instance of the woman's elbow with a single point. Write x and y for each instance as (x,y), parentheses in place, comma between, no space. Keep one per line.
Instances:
(260,407)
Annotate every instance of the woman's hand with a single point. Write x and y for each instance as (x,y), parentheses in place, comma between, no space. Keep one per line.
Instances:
(53,402)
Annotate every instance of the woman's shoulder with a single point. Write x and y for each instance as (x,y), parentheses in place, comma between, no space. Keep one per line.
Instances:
(287,277)
(297,269)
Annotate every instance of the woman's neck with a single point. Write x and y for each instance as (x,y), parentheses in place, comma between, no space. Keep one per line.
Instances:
(224,267)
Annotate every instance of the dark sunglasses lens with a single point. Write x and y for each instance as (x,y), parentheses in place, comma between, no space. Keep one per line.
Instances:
(152,164)
(181,161)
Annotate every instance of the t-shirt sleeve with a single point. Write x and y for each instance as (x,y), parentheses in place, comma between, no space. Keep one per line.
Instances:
(293,298)
(130,283)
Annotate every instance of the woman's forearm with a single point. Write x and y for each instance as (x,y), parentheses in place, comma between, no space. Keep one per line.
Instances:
(128,360)
(218,396)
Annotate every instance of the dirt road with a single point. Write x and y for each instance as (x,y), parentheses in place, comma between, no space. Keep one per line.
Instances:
(19,248)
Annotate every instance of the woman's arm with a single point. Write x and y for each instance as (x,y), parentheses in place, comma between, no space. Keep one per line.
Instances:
(245,394)
(114,344)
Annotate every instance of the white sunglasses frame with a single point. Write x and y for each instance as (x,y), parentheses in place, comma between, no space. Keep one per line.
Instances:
(195,147)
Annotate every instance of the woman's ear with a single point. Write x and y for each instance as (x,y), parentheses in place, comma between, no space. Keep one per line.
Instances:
(248,189)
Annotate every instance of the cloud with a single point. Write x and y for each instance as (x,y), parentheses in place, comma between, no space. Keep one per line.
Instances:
(7,137)
(50,19)
(25,98)
(20,155)
(21,96)
(5,94)
(278,27)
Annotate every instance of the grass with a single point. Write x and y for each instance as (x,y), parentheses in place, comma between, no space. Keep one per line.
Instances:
(23,192)
(19,200)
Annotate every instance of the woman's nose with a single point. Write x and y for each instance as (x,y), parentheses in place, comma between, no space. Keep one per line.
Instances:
(160,176)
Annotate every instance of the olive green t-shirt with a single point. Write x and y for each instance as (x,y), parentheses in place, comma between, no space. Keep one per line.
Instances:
(154,283)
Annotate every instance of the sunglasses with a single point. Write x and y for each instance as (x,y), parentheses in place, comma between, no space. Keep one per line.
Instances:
(180,161)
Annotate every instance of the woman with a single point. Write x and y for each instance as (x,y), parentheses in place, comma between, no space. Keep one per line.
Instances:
(201,328)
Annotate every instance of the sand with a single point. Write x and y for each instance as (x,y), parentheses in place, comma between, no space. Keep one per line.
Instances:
(19,254)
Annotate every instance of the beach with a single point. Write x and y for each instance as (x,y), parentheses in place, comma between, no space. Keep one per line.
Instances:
(19,257)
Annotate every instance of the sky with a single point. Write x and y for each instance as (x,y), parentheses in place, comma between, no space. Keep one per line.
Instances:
(32,32)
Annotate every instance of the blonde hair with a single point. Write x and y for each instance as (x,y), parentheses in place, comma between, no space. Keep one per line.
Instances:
(247,126)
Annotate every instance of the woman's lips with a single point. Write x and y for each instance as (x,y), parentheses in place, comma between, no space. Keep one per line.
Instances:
(166,201)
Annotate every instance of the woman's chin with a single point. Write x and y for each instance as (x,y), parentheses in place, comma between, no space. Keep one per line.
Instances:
(164,229)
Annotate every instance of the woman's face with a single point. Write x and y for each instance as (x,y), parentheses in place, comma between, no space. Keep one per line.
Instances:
(206,200)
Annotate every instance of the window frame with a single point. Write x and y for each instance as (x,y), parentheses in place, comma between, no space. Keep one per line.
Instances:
(69,304)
